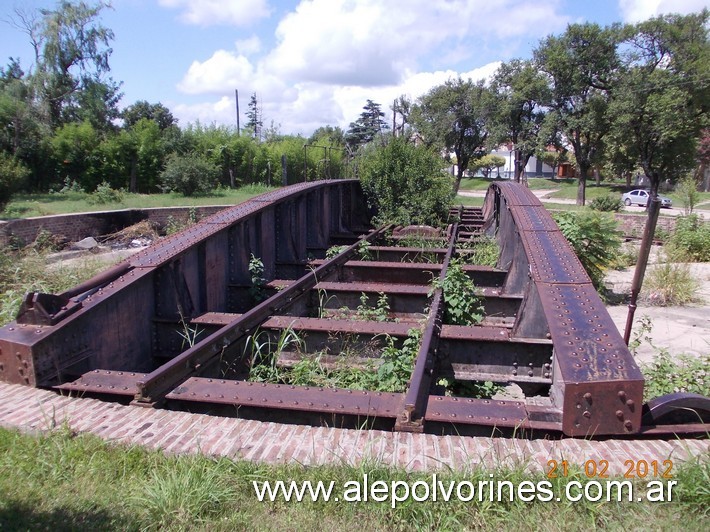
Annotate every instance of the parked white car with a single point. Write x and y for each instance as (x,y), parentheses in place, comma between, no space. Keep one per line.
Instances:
(640,197)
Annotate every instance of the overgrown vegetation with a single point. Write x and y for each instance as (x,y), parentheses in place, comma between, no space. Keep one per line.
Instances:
(363,250)
(483,252)
(608,203)
(189,175)
(258,283)
(63,481)
(668,373)
(670,284)
(690,242)
(680,373)
(26,271)
(462,306)
(595,239)
(380,312)
(390,372)
(474,389)
(404,184)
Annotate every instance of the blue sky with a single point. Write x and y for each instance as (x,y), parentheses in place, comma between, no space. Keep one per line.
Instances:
(315,62)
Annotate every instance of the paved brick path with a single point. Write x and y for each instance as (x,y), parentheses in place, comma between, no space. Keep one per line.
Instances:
(30,409)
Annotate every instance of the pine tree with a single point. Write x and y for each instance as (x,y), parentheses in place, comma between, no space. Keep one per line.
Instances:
(254,117)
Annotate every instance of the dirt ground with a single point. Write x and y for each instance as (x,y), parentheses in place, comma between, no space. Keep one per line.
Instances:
(678,329)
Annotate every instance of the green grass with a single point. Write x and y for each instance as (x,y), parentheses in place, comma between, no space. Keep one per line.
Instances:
(28,205)
(27,271)
(468,201)
(64,481)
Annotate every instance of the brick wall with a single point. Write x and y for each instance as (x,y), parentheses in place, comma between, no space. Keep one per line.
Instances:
(633,225)
(74,227)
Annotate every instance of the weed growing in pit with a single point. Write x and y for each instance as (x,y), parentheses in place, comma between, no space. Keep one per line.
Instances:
(390,373)
(363,250)
(474,389)
(264,354)
(483,252)
(380,312)
(461,304)
(258,283)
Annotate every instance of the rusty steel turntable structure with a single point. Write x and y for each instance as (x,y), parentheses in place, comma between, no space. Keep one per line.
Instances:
(122,335)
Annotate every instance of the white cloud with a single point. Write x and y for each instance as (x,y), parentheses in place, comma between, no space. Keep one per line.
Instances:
(223,111)
(223,71)
(372,43)
(331,56)
(639,10)
(249,46)
(219,12)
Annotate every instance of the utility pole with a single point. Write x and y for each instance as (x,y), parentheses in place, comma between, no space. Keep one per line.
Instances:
(236,97)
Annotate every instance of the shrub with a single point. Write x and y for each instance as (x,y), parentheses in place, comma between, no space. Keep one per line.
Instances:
(687,189)
(404,184)
(670,284)
(608,203)
(691,240)
(594,237)
(105,194)
(683,373)
(12,174)
(189,175)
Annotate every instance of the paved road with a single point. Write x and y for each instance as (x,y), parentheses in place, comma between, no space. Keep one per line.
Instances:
(543,195)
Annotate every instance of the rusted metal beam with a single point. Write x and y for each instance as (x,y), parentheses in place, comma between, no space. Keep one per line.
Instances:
(285,397)
(549,329)
(156,384)
(415,402)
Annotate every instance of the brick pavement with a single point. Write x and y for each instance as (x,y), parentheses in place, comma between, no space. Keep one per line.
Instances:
(33,410)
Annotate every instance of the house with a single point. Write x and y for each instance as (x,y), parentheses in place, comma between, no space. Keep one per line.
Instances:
(534,167)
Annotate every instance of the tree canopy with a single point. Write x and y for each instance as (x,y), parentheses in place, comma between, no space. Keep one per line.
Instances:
(523,94)
(456,117)
(365,128)
(659,107)
(581,65)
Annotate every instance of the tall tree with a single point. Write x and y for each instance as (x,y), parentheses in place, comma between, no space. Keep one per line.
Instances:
(156,112)
(456,117)
(661,107)
(522,94)
(328,134)
(365,128)
(402,108)
(22,134)
(581,65)
(254,118)
(72,51)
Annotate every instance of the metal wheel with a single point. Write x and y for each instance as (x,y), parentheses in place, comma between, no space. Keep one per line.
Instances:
(677,408)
